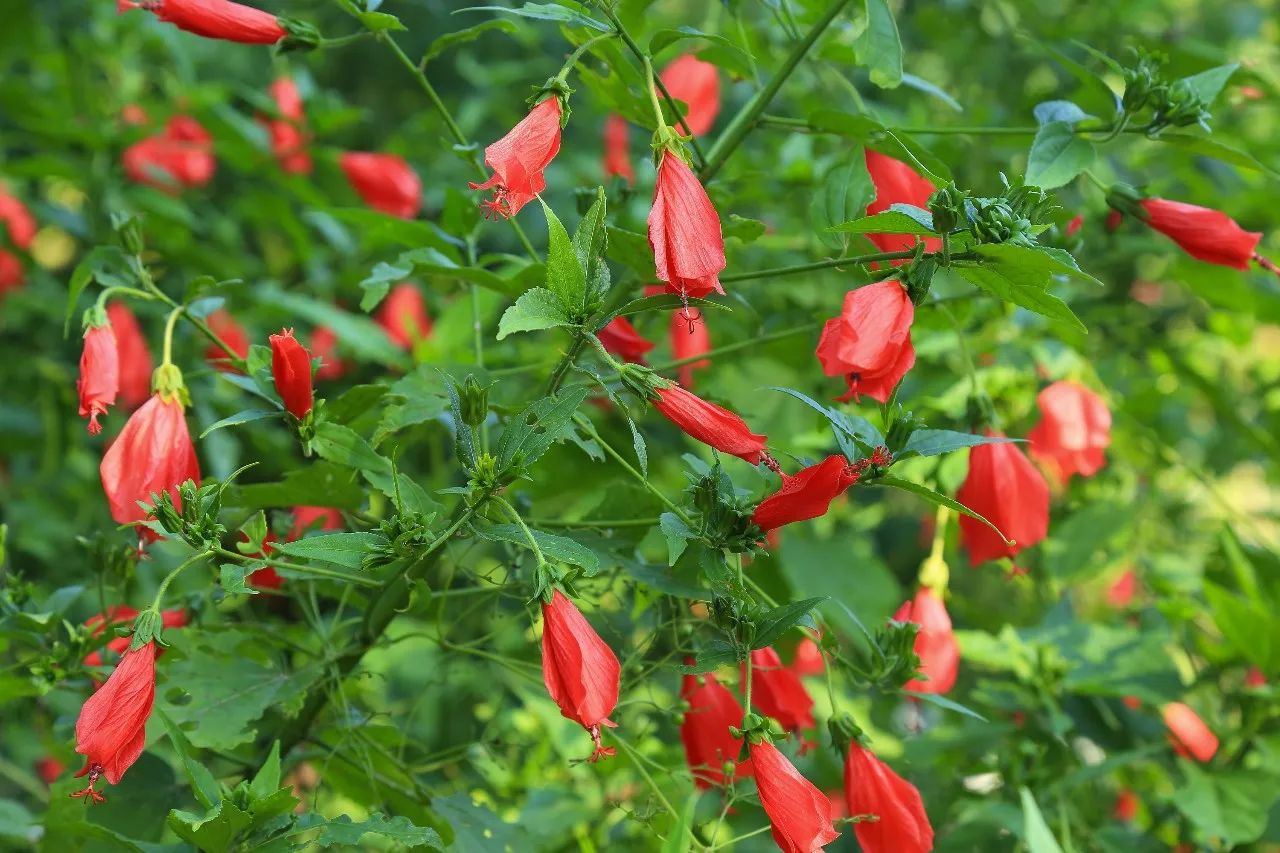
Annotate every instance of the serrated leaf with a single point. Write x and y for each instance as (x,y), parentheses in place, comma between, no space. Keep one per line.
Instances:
(341,549)
(1058,155)
(248,416)
(203,785)
(886,222)
(231,578)
(267,780)
(541,424)
(214,831)
(935,498)
(677,534)
(1022,287)
(553,547)
(781,619)
(537,308)
(565,276)
(589,244)
(931,442)
(440,44)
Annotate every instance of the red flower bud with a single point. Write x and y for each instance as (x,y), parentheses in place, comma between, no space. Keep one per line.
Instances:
(112,728)
(622,339)
(689,337)
(99,374)
(897,183)
(288,139)
(134,356)
(712,425)
(1203,233)
(872,788)
(935,644)
(1126,807)
(579,669)
(869,344)
(215,19)
(697,84)
(1074,432)
(403,316)
(306,518)
(1004,487)
(222,324)
(385,182)
(799,812)
(705,730)
(778,692)
(684,231)
(180,156)
(1188,734)
(18,224)
(1121,591)
(49,769)
(324,345)
(153,453)
(617,156)
(805,495)
(1074,226)
(291,368)
(519,159)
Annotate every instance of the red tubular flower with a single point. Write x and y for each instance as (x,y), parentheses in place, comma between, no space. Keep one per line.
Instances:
(1126,807)
(291,368)
(49,769)
(617,156)
(579,669)
(99,380)
(307,517)
(684,231)
(1004,487)
(697,84)
(385,182)
(324,345)
(519,159)
(1203,233)
(808,659)
(179,156)
(869,344)
(134,356)
(689,337)
(112,728)
(1188,734)
(16,222)
(215,19)
(705,730)
(799,812)
(935,644)
(1074,226)
(622,339)
(288,140)
(222,324)
(712,425)
(1074,432)
(805,495)
(403,316)
(897,183)
(123,615)
(778,692)
(872,788)
(153,453)
(1121,591)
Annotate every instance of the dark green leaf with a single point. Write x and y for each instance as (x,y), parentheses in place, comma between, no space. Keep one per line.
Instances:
(565,276)
(934,498)
(565,13)
(781,619)
(537,308)
(843,195)
(245,417)
(931,442)
(552,546)
(1047,112)
(886,222)
(440,44)
(532,432)
(342,549)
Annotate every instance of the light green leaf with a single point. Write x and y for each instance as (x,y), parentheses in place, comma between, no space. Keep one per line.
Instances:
(1035,832)
(342,549)
(1208,84)
(566,13)
(781,619)
(842,197)
(440,44)
(879,47)
(932,442)
(886,222)
(537,308)
(552,546)
(1057,156)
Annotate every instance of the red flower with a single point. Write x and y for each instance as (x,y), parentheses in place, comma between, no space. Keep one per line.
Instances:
(1122,589)
(307,517)
(808,659)
(1004,487)
(324,345)
(1126,807)
(897,183)
(872,788)
(869,344)
(805,495)
(134,355)
(112,728)
(689,337)
(123,615)
(684,231)
(1074,432)
(712,425)
(579,669)
(799,812)
(179,156)
(288,141)
(49,769)
(1188,734)
(622,339)
(1255,678)
(385,182)
(222,324)
(697,84)
(778,692)
(291,368)
(935,644)
(705,730)
(519,159)
(1074,226)
(11,272)
(17,222)
(617,157)
(215,19)
(403,316)
(153,453)
(99,380)
(1203,233)
(1114,219)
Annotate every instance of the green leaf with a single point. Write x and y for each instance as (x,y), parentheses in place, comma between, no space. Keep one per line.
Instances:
(729,56)
(341,549)
(565,276)
(1229,805)
(1207,85)
(932,442)
(944,702)
(879,47)
(589,244)
(680,837)
(552,546)
(934,498)
(231,578)
(1247,625)
(922,85)
(1022,285)
(532,432)
(886,222)
(355,402)
(1210,147)
(537,308)
(1072,554)
(463,440)
(781,619)
(378,22)
(428,261)
(245,417)
(203,785)
(877,137)
(845,192)
(665,302)
(343,831)
(378,283)
(267,780)
(859,429)
(1068,112)
(1058,155)
(214,831)
(565,13)
(1035,832)
(448,41)
(677,534)
(299,488)
(342,445)
(744,229)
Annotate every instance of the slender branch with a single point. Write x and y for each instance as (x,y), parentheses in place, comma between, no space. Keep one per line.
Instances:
(566,363)
(848,261)
(608,448)
(311,571)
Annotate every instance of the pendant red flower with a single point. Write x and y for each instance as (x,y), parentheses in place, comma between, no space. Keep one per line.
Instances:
(134,356)
(869,344)
(579,669)
(291,369)
(180,156)
(1188,734)
(697,84)
(711,424)
(124,615)
(617,156)
(622,339)
(403,316)
(112,728)
(897,183)
(684,231)
(519,159)
(935,644)
(288,138)
(708,745)
(215,19)
(872,788)
(805,495)
(385,182)
(1203,233)
(1074,430)
(799,813)
(99,380)
(1004,487)
(779,692)
(153,453)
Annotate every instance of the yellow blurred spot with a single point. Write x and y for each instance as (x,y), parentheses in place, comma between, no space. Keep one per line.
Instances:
(53,248)
(64,194)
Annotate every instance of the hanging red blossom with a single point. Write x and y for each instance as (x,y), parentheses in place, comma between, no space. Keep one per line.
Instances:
(49,769)
(869,344)
(306,518)
(1004,487)
(697,84)
(897,183)
(99,380)
(180,156)
(617,156)
(872,788)
(1126,807)
(403,316)
(778,692)
(807,494)
(935,645)
(808,659)
(689,337)
(385,182)
(124,615)
(798,811)
(1121,591)
(684,231)
(291,369)
(288,138)
(1188,734)
(1203,233)
(711,424)
(519,159)
(134,361)
(20,227)
(215,19)
(324,345)
(112,728)
(153,453)
(222,324)
(1074,431)
(622,339)
(705,731)
(579,669)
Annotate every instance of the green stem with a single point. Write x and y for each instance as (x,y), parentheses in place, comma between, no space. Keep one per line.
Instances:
(796,269)
(577,54)
(168,335)
(590,429)
(603,524)
(741,345)
(312,571)
(566,363)
(158,602)
(524,528)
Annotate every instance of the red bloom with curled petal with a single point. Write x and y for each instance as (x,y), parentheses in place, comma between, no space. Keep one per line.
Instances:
(1074,431)
(1005,488)
(385,182)
(324,345)
(897,183)
(99,380)
(134,355)
(403,316)
(112,728)
(222,324)
(153,453)
(697,84)
(1203,233)
(124,615)
(519,159)
(291,369)
(689,337)
(178,157)
(684,231)
(622,339)
(288,138)
(711,424)
(872,788)
(935,645)
(1190,737)
(617,157)
(807,494)
(869,344)
(215,19)
(798,812)
(579,669)
(705,730)
(778,692)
